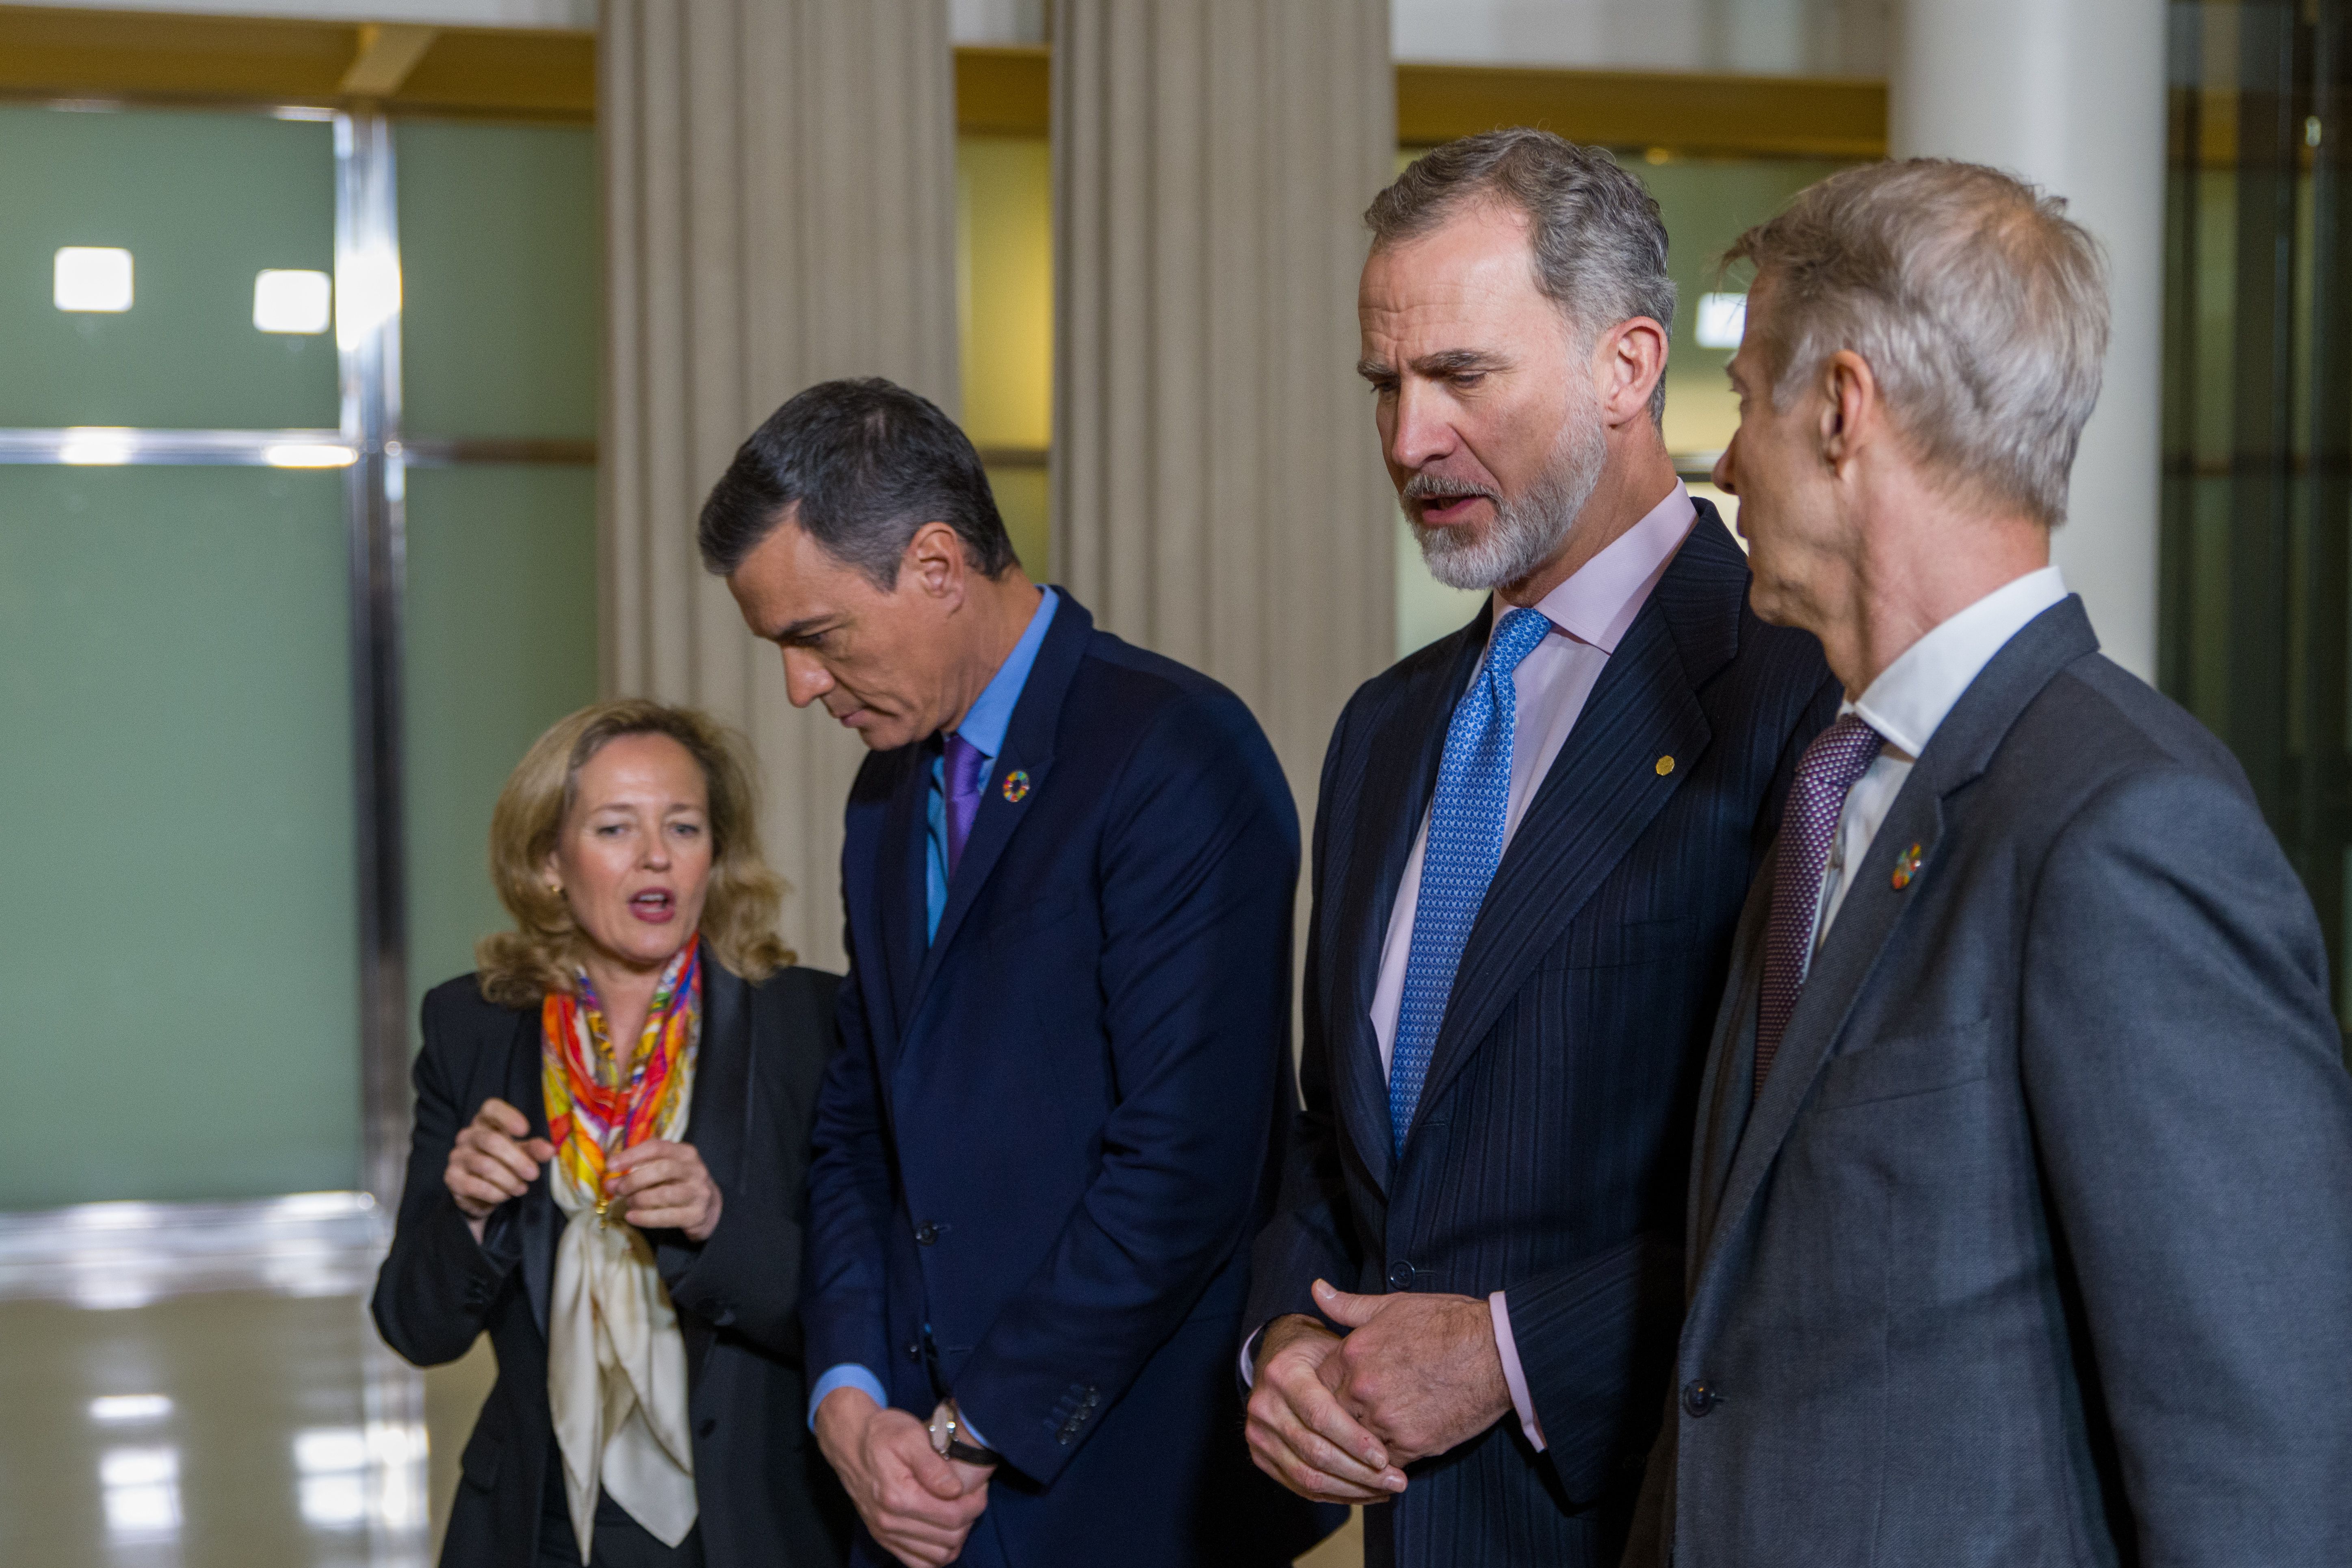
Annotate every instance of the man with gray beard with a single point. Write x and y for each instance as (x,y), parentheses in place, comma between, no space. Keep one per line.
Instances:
(1532,843)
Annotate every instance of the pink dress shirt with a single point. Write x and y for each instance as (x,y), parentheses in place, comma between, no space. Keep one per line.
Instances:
(1590,613)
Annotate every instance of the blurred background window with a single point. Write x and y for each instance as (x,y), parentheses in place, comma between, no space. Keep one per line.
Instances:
(2256,569)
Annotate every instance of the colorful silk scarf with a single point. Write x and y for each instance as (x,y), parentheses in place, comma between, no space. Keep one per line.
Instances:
(591,1115)
(616,1379)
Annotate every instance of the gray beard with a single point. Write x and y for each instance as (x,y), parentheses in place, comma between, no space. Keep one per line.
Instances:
(1528,530)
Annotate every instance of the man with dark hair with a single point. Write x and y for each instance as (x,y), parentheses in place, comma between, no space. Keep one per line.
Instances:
(1530,850)
(1047,1134)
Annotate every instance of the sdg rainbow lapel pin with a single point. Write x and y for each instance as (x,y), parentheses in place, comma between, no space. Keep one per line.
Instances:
(1016,785)
(1906,866)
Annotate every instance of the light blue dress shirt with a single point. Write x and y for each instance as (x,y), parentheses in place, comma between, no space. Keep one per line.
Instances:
(983,727)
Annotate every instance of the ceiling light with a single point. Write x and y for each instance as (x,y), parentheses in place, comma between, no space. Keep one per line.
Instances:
(95,444)
(368,285)
(122,1409)
(291,301)
(301,455)
(92,278)
(1722,318)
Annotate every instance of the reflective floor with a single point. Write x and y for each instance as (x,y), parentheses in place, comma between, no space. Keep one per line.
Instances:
(201,1387)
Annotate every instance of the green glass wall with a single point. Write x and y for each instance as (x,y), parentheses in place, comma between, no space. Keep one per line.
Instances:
(203,202)
(499,254)
(500,331)
(501,634)
(182,1014)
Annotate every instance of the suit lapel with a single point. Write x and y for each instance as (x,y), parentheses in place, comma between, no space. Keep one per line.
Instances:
(1029,749)
(902,867)
(1602,790)
(537,1219)
(1960,749)
(1725,1097)
(722,1072)
(1409,733)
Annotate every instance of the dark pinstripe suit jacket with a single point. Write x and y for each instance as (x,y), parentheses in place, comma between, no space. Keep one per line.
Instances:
(1551,1151)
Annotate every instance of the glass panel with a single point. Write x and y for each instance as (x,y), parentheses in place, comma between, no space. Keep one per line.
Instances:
(204,202)
(2255,636)
(499,254)
(1707,203)
(1005,311)
(1023,501)
(501,642)
(182,1014)
(1005,287)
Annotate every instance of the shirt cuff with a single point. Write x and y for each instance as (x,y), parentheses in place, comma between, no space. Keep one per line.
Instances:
(848,1374)
(963,1419)
(1249,1359)
(1514,1377)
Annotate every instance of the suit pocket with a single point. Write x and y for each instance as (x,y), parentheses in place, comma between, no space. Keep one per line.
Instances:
(1908,1064)
(1618,943)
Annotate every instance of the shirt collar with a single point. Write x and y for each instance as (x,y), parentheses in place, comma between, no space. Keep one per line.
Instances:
(1599,602)
(992,712)
(1911,696)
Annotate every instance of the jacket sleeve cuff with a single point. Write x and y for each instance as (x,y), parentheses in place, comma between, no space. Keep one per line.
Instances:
(1515,1376)
(848,1374)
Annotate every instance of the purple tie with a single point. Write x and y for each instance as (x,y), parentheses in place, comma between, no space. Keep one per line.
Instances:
(1838,756)
(967,770)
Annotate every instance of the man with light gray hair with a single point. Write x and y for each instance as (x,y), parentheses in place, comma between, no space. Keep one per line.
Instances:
(1532,843)
(2021,1226)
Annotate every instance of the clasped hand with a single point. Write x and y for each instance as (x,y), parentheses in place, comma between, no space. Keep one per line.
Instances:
(1338,1419)
(656,1184)
(919,1504)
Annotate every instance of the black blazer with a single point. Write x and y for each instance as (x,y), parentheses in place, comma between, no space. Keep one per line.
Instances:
(768,1499)
(1549,1153)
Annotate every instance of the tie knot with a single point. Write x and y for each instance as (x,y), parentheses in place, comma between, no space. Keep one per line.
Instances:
(966,765)
(1841,754)
(1516,636)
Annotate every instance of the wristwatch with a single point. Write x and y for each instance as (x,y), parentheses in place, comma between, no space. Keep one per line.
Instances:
(948,1431)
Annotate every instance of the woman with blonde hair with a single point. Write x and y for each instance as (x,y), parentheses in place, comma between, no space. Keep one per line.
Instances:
(611,1128)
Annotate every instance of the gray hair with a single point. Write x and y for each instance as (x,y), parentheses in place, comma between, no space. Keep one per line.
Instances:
(1599,245)
(1981,309)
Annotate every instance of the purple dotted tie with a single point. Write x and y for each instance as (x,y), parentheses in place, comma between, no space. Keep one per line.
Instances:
(1838,756)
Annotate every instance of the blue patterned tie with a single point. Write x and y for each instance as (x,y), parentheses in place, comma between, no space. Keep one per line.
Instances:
(1465,845)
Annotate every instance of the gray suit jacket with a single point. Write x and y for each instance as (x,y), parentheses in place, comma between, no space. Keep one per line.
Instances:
(2037,1246)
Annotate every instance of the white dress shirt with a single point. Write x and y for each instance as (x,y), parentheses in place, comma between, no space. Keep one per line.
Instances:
(1906,704)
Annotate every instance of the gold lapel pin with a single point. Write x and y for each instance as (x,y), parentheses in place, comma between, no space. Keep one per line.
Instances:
(1665,766)
(1906,866)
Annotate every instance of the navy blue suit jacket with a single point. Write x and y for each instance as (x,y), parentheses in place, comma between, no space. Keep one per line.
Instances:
(1049,1133)
(1551,1151)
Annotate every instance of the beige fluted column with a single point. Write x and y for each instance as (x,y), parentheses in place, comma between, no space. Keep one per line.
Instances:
(780,209)
(2069,95)
(1218,491)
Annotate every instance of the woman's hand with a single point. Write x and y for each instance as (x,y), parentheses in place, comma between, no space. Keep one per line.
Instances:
(495,1159)
(665,1185)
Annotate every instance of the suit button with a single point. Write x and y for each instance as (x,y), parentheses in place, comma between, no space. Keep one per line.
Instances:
(1399,1275)
(1699,1397)
(926,1234)
(914,1350)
